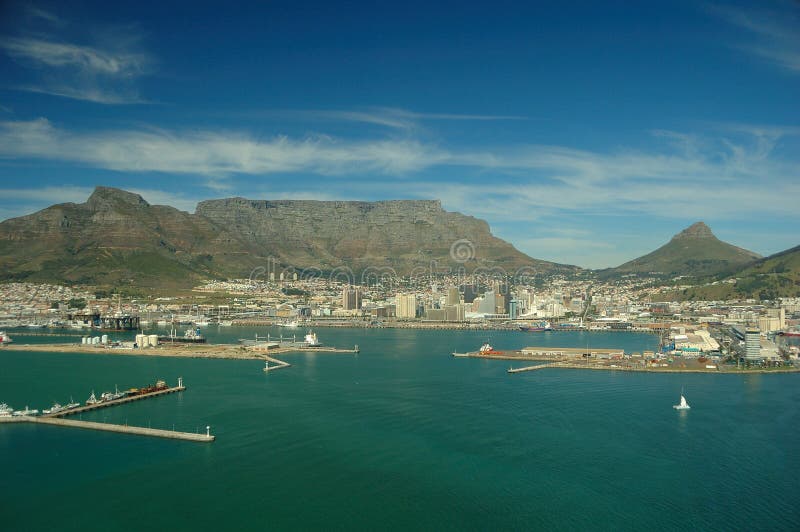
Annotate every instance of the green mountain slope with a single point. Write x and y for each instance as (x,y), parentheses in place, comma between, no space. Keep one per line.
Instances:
(771,277)
(693,252)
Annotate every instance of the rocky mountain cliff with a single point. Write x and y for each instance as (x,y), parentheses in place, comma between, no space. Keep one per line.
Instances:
(695,252)
(117,237)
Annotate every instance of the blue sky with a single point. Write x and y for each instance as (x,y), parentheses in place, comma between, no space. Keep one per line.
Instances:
(585,132)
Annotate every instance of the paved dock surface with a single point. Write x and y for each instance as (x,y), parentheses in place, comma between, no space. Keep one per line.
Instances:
(277,364)
(126,429)
(534,367)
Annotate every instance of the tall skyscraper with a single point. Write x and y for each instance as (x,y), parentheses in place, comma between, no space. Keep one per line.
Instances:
(489,303)
(752,344)
(351,298)
(453,297)
(406,306)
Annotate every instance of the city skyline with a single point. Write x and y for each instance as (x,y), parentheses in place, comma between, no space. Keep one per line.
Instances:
(583,134)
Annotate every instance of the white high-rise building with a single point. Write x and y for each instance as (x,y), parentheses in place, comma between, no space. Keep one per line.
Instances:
(406,306)
(752,344)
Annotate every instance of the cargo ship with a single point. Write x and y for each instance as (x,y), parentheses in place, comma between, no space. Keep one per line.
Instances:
(191,336)
(312,340)
(537,326)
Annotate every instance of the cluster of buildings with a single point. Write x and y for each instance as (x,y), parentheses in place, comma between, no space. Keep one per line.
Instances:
(627,304)
(33,304)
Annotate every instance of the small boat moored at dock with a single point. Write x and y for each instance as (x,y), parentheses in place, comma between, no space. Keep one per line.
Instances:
(55,409)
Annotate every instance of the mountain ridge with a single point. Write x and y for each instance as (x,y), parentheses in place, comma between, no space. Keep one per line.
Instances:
(116,236)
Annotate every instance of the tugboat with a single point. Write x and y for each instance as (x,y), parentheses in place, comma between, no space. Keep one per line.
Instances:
(487,349)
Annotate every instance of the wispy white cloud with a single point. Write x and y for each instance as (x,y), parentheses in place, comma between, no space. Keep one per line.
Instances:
(707,177)
(48,16)
(774,32)
(86,59)
(86,93)
(212,153)
(389,117)
(103,71)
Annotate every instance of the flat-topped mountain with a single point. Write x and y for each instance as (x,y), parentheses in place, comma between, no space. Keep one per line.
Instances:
(118,237)
(695,252)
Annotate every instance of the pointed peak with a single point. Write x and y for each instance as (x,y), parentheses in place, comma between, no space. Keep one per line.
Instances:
(696,230)
(105,197)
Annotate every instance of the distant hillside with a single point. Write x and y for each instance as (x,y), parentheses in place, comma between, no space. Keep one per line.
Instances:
(693,252)
(775,276)
(117,237)
(769,278)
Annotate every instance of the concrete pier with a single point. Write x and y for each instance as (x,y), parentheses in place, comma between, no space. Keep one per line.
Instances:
(105,404)
(534,368)
(126,429)
(278,364)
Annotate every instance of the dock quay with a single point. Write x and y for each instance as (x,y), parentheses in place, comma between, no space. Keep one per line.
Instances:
(303,349)
(108,427)
(71,334)
(633,368)
(534,367)
(548,354)
(114,402)
(278,364)
(507,355)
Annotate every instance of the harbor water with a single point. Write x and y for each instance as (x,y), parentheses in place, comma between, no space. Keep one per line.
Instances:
(401,436)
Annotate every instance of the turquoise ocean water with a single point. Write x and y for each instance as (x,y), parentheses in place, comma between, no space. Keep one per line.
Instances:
(402,436)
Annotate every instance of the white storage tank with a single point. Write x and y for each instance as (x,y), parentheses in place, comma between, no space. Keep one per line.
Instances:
(84,339)
(96,340)
(153,340)
(104,339)
(141,340)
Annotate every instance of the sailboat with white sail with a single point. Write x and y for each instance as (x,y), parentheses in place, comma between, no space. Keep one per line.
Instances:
(683,404)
